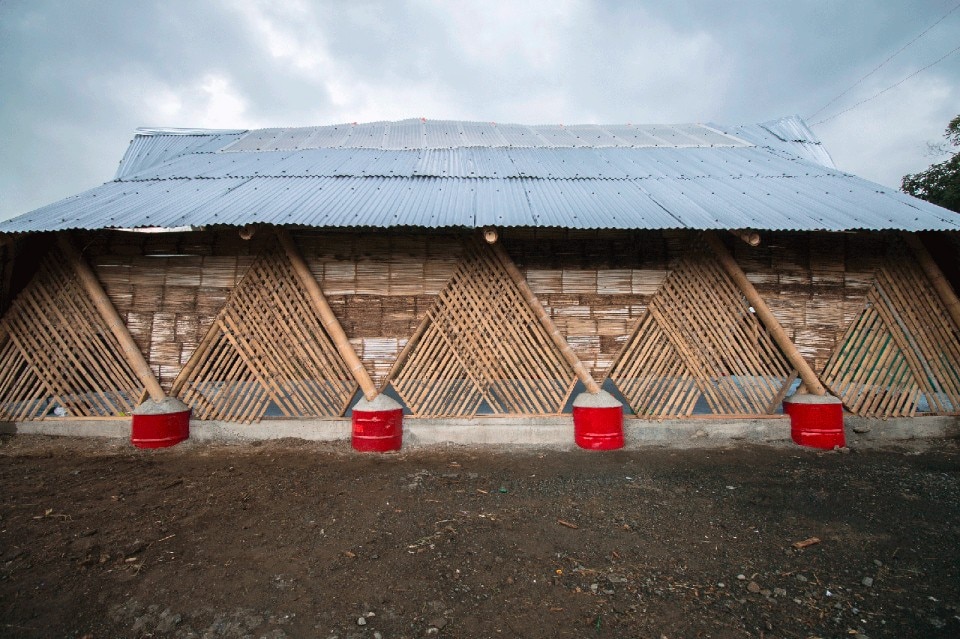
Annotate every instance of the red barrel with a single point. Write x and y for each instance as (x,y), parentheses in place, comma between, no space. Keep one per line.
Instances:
(818,425)
(377,431)
(598,428)
(160,431)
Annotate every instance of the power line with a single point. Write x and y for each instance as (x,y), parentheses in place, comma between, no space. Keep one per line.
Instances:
(892,86)
(882,64)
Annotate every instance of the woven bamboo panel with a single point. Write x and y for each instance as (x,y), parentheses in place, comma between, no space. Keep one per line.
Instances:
(480,345)
(60,355)
(902,354)
(269,349)
(699,340)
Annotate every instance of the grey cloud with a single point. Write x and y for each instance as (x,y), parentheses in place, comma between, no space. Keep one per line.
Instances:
(77,77)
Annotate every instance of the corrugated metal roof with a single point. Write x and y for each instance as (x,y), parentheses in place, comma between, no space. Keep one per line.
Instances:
(555,163)
(788,137)
(444,134)
(152,147)
(769,176)
(832,203)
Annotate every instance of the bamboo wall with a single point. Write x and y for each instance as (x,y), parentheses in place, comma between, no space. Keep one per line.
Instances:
(168,287)
(380,286)
(625,302)
(815,284)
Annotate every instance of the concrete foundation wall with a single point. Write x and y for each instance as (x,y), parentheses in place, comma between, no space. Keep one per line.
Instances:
(553,432)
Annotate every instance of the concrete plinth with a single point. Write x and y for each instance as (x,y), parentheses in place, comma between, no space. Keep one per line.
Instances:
(520,433)
(377,425)
(815,420)
(159,424)
(597,421)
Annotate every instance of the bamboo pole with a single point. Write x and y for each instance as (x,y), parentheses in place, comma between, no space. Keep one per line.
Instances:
(750,237)
(779,335)
(541,314)
(110,317)
(935,275)
(327,318)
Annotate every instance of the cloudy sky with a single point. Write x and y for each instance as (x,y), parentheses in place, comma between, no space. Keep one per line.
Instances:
(78,76)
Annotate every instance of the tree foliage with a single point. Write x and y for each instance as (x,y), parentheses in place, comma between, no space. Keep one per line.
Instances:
(940,183)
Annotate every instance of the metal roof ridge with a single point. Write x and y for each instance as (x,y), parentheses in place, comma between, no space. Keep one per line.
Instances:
(147,131)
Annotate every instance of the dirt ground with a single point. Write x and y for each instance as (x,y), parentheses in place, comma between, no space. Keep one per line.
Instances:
(294,539)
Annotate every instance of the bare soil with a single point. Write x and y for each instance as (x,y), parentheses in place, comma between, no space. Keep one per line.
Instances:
(293,539)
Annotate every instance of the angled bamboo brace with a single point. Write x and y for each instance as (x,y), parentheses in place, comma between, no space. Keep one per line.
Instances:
(935,275)
(110,317)
(327,318)
(779,335)
(541,313)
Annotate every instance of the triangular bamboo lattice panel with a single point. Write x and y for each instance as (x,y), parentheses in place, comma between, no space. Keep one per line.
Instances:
(480,345)
(59,357)
(269,348)
(699,342)
(901,355)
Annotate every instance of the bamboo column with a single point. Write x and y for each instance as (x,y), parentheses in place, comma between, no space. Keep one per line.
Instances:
(327,318)
(531,299)
(110,316)
(733,269)
(935,275)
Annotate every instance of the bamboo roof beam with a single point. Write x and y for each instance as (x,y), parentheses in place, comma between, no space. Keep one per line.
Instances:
(90,283)
(809,378)
(935,275)
(541,313)
(327,318)
(750,237)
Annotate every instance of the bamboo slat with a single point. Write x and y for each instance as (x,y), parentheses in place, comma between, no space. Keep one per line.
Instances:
(323,311)
(534,305)
(935,275)
(776,331)
(61,354)
(267,347)
(699,340)
(900,355)
(110,317)
(481,344)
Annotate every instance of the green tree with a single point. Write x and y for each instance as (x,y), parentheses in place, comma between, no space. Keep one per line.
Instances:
(940,183)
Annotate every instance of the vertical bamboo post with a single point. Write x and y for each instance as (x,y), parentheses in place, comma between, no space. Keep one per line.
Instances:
(327,318)
(779,335)
(935,275)
(110,316)
(531,299)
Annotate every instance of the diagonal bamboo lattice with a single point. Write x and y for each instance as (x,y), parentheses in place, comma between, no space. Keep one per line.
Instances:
(59,353)
(700,340)
(266,346)
(902,353)
(482,344)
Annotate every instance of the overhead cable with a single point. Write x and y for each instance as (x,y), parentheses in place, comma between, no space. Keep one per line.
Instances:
(892,86)
(882,64)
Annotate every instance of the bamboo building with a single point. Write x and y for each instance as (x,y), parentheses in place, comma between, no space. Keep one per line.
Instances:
(469,269)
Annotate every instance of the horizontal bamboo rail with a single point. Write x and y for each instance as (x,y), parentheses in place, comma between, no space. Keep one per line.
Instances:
(110,317)
(939,281)
(327,318)
(809,378)
(541,313)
